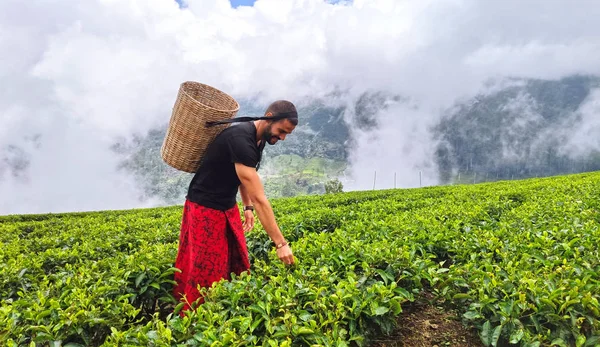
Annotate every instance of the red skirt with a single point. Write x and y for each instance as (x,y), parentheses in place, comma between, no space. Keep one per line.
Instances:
(212,245)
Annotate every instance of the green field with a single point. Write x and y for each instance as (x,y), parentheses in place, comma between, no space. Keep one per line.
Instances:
(519,261)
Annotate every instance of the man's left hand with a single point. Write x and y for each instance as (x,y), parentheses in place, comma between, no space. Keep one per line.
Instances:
(248,220)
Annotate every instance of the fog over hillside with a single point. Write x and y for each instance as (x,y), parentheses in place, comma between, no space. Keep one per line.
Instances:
(81,77)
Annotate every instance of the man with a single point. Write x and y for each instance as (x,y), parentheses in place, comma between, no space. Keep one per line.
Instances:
(212,242)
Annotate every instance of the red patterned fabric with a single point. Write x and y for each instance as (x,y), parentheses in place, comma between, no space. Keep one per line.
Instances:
(212,245)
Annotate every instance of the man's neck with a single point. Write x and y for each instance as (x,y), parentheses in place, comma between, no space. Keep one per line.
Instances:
(260,129)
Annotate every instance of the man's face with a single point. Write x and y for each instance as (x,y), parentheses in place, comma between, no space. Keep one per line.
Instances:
(278,130)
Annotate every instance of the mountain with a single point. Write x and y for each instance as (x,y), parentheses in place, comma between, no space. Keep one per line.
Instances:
(528,128)
(517,132)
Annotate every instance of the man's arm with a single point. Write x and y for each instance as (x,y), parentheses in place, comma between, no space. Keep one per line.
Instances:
(253,187)
(248,215)
(246,201)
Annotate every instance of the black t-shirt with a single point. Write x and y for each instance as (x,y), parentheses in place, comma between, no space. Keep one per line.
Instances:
(216,183)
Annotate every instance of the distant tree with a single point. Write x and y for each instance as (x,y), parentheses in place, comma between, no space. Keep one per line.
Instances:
(333,186)
(289,189)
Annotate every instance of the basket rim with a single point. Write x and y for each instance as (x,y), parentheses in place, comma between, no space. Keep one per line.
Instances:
(204,105)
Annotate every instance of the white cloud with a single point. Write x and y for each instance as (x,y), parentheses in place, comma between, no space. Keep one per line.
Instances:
(82,73)
(585,134)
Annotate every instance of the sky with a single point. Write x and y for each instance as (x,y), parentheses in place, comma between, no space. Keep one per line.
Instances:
(77,76)
(237,3)
(234,3)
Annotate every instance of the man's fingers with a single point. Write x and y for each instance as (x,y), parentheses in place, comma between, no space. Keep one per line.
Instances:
(288,259)
(285,255)
(248,224)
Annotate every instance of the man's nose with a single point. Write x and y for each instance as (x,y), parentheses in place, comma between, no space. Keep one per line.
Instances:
(281,137)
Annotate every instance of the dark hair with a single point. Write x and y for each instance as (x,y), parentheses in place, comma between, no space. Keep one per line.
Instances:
(284,108)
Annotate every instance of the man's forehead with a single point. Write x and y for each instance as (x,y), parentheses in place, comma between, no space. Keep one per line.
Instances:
(286,125)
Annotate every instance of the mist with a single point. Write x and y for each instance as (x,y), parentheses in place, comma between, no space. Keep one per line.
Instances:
(79,76)
(584,136)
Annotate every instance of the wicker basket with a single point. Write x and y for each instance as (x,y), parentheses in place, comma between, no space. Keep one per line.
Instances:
(187,136)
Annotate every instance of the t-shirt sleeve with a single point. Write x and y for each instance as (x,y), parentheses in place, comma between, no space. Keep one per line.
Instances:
(242,151)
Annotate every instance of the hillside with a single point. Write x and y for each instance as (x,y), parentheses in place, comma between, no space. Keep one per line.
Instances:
(518,131)
(515,261)
(527,128)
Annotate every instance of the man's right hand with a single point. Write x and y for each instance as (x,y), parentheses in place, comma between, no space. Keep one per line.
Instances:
(285,254)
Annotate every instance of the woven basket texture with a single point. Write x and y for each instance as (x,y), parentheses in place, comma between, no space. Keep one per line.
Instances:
(187,135)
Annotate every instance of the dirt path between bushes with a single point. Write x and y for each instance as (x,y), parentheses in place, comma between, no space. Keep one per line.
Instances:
(422,324)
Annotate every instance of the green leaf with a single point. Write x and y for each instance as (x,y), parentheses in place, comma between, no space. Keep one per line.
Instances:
(381,310)
(496,335)
(548,302)
(486,333)
(256,323)
(592,341)
(44,314)
(516,336)
(471,315)
(177,324)
(152,335)
(139,279)
(305,331)
(580,340)
(559,342)
(178,308)
(506,307)
(385,276)
(403,292)
(305,316)
(396,308)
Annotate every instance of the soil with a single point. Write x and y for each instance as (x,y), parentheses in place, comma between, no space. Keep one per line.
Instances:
(423,324)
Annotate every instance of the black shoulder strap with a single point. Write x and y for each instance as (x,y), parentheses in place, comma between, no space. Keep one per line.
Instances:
(249,119)
(260,153)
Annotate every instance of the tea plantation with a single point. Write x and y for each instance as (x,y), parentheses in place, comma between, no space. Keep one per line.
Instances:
(519,260)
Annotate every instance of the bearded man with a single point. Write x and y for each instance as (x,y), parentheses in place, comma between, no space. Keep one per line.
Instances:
(212,243)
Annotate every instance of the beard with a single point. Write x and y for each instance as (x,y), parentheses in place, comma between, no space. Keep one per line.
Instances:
(268,136)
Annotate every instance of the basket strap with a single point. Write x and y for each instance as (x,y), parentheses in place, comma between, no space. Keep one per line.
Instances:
(249,119)
(260,150)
